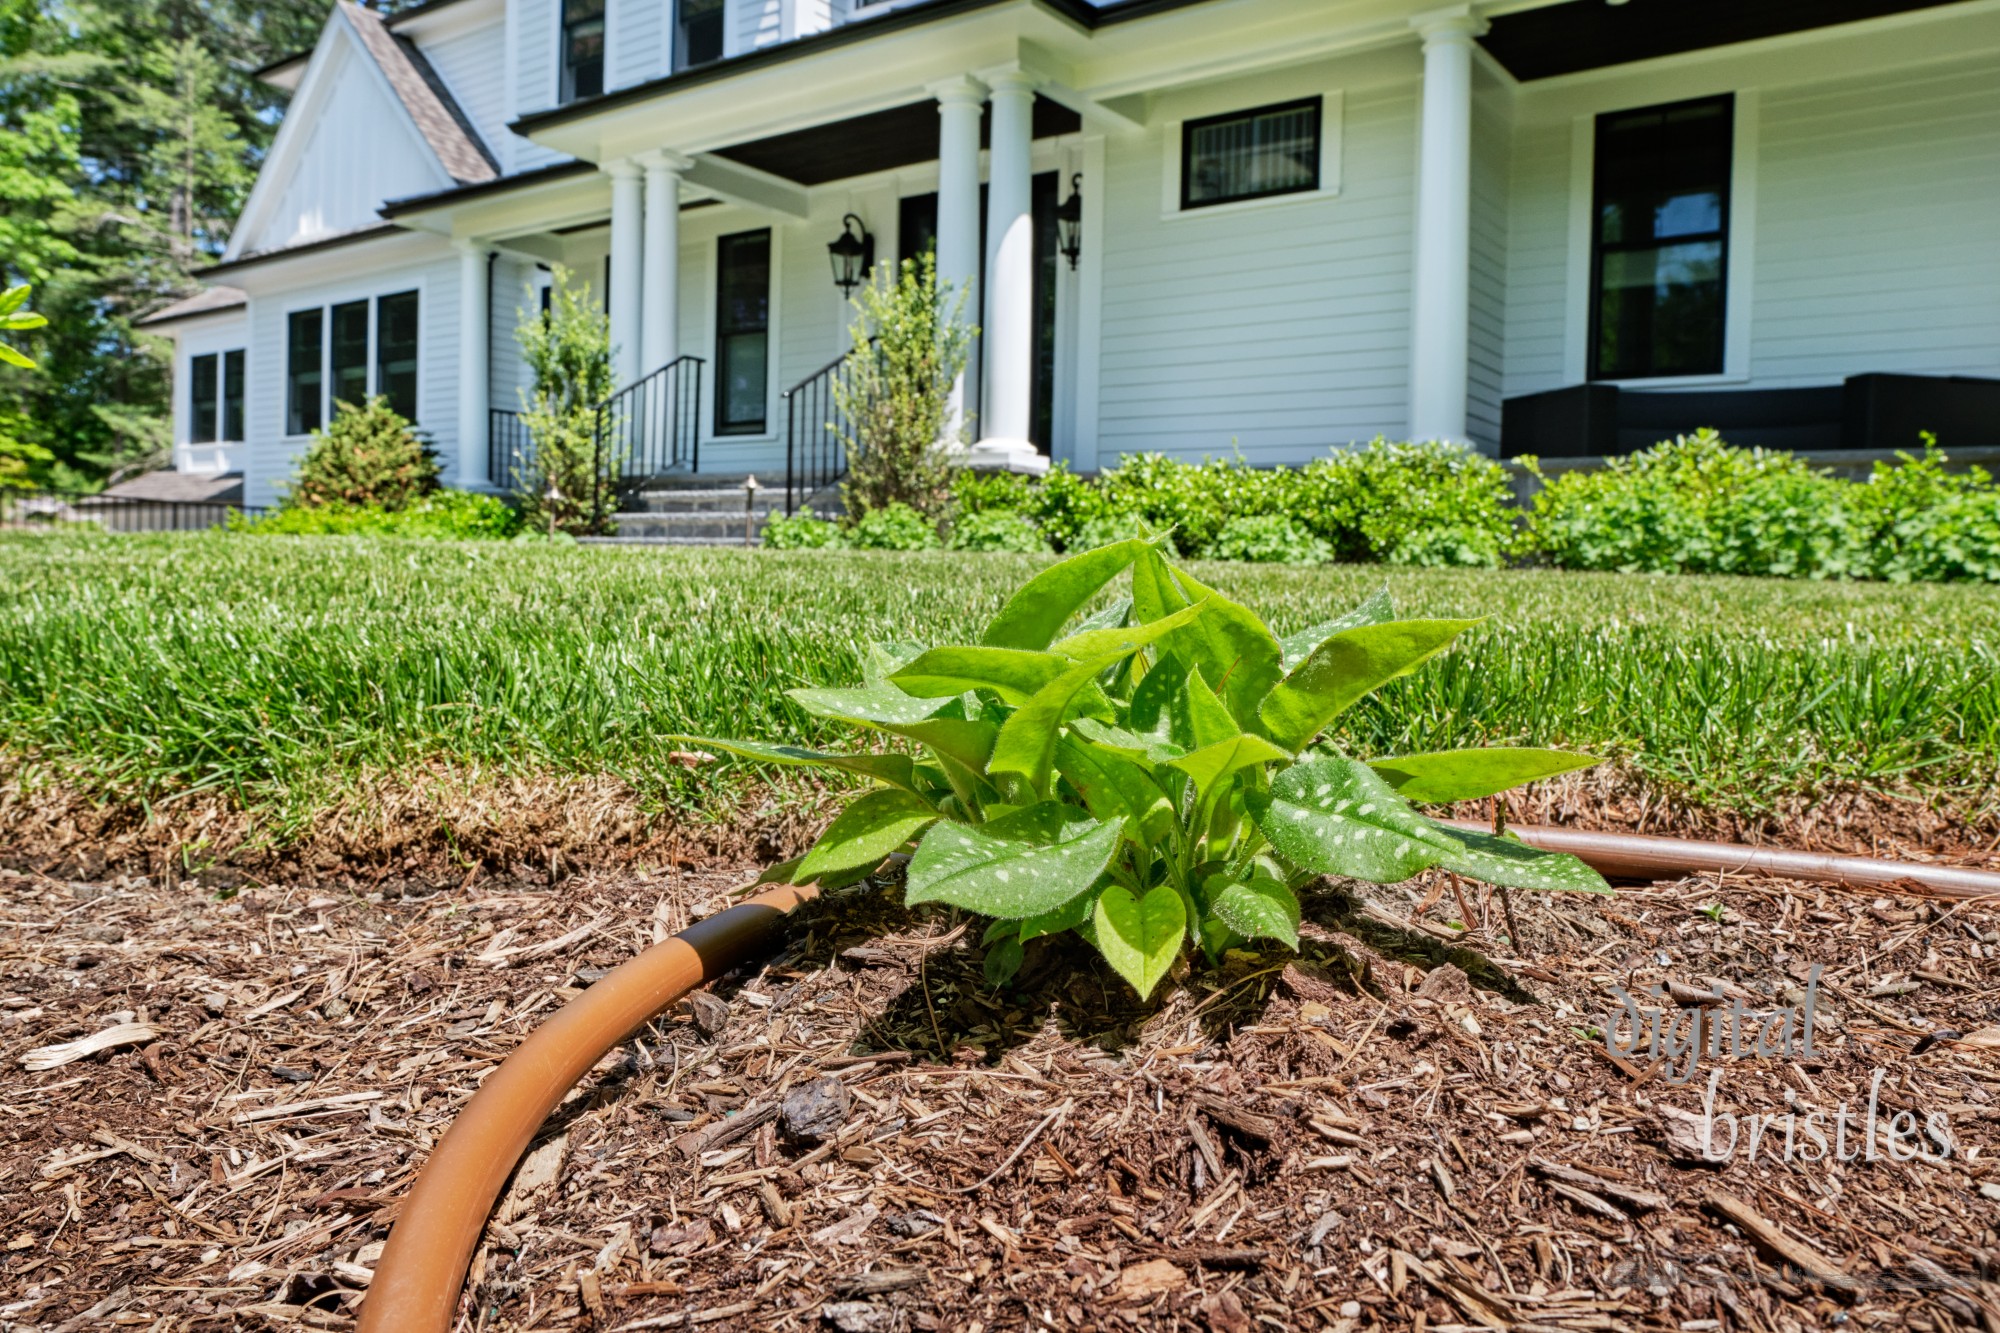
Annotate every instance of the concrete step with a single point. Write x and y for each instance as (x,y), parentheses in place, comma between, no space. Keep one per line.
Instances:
(712,501)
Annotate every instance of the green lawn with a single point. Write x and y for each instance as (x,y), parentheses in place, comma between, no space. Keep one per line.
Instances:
(282,668)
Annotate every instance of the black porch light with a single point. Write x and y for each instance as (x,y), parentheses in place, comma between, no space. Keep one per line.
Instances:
(853,254)
(1069,221)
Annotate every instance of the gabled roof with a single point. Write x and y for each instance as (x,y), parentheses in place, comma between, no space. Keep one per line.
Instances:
(437,115)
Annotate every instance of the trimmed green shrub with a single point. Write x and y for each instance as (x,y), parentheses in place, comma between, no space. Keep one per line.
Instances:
(1696,505)
(1118,528)
(1269,539)
(800,532)
(911,341)
(892,527)
(997,530)
(1916,522)
(441,515)
(366,456)
(1194,499)
(1407,504)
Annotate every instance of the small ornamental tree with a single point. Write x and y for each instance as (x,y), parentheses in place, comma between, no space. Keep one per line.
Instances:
(367,455)
(569,350)
(894,401)
(1153,777)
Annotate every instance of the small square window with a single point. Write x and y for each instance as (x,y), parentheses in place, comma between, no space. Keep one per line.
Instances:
(1251,154)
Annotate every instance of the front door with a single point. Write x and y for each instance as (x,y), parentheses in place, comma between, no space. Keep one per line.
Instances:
(916,232)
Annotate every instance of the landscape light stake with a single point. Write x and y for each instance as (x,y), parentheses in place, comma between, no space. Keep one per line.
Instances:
(750,489)
(549,503)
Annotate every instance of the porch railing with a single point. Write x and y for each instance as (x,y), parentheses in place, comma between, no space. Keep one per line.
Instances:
(652,425)
(50,511)
(509,447)
(816,432)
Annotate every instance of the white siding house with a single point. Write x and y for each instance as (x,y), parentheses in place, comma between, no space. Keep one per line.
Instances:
(1534,226)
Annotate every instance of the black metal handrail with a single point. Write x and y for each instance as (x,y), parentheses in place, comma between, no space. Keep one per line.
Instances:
(816,432)
(649,427)
(38,510)
(509,448)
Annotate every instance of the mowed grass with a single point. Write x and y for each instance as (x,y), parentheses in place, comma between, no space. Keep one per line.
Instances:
(285,669)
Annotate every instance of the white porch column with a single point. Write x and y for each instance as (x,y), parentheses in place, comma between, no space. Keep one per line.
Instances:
(1440,328)
(475,344)
(627,270)
(660,337)
(1008,395)
(959,101)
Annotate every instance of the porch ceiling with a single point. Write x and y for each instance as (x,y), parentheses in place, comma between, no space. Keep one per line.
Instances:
(1590,34)
(901,136)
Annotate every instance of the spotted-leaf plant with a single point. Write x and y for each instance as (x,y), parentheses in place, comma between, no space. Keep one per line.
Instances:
(1152,777)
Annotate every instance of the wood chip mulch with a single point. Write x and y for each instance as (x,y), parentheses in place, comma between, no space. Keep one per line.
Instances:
(213,1105)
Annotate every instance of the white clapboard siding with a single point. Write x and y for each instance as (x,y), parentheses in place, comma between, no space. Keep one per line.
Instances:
(1877,245)
(1872,234)
(1538,220)
(755,23)
(360,150)
(271,455)
(1276,331)
(637,46)
(473,67)
(536,33)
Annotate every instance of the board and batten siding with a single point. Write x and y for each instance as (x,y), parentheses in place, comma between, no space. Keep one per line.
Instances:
(1276,331)
(1878,227)
(271,455)
(473,66)
(1873,235)
(360,150)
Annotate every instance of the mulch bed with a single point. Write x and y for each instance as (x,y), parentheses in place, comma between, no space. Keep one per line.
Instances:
(1409,1125)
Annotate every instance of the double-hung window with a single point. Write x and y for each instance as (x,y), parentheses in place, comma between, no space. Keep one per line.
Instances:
(1252,154)
(215,397)
(582,54)
(1659,240)
(742,333)
(697,32)
(344,354)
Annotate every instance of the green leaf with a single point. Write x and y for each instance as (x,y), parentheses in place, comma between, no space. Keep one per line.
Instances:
(1041,607)
(1013,674)
(872,704)
(895,769)
(1027,740)
(14,358)
(868,830)
(1125,744)
(1107,645)
(1338,817)
(1467,775)
(879,661)
(1260,909)
(1233,649)
(1027,863)
(1211,764)
(13,298)
(1347,667)
(1067,917)
(781,873)
(1197,718)
(1298,647)
(1155,595)
(1140,937)
(1003,960)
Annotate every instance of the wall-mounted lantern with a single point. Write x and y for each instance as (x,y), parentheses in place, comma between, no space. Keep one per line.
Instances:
(853,254)
(1069,221)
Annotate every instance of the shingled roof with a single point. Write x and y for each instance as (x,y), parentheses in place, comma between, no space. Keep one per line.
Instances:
(430,104)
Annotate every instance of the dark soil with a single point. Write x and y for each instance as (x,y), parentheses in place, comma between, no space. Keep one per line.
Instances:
(1410,1125)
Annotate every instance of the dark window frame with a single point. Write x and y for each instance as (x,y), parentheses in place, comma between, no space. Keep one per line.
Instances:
(725,330)
(580,79)
(1594,370)
(303,417)
(711,31)
(1316,103)
(233,424)
(204,411)
(380,358)
(336,367)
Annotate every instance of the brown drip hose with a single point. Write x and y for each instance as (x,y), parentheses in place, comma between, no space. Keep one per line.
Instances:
(416,1284)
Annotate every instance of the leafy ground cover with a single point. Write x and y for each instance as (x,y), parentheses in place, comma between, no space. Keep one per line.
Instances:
(280,672)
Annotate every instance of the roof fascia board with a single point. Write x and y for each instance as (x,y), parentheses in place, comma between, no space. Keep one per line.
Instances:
(280,270)
(198,322)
